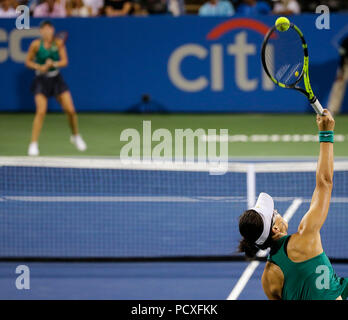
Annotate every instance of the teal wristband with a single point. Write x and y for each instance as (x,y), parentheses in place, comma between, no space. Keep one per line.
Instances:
(326,136)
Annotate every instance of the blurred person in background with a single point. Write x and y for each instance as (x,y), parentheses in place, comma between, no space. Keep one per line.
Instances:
(77,8)
(95,5)
(146,7)
(216,8)
(50,8)
(46,56)
(340,84)
(253,7)
(118,8)
(334,5)
(7,9)
(32,4)
(286,7)
(176,7)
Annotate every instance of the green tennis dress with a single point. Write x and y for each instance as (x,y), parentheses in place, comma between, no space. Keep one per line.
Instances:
(51,83)
(313,279)
(47,53)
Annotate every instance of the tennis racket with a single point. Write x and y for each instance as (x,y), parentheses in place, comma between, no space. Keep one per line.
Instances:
(63,35)
(285,60)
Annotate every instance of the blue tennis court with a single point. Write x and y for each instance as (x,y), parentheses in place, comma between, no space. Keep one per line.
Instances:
(97,212)
(213,280)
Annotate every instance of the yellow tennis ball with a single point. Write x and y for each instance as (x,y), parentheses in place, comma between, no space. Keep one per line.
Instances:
(282,24)
(297,74)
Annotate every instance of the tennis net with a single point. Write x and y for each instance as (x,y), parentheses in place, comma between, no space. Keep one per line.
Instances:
(99,209)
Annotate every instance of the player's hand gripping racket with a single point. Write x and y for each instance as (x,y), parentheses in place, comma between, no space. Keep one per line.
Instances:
(285,60)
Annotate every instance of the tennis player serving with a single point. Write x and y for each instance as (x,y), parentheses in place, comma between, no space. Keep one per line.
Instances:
(46,56)
(291,272)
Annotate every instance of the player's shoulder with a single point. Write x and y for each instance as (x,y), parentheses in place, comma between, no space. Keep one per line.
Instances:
(36,43)
(304,245)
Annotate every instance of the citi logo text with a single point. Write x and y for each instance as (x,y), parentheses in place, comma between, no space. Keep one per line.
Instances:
(241,50)
(11,44)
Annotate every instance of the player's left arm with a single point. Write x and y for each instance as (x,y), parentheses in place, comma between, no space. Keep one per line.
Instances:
(63,62)
(272,281)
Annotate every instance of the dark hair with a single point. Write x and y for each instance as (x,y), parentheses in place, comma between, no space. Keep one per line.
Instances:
(44,23)
(251,228)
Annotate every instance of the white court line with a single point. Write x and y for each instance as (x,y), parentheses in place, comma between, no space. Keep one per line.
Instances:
(149,198)
(120,199)
(250,269)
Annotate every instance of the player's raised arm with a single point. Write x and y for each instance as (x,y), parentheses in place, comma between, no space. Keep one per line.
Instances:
(317,213)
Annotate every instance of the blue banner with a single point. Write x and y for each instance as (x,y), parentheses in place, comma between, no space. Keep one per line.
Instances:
(186,64)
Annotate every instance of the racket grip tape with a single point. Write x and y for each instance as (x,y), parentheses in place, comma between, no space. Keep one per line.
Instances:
(317,106)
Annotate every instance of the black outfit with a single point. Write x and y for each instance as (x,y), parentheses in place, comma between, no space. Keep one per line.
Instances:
(115,4)
(49,86)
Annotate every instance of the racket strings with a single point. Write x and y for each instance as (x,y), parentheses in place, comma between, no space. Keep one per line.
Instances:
(284,57)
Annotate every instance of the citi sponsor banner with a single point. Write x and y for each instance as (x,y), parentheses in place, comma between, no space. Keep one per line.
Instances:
(186,64)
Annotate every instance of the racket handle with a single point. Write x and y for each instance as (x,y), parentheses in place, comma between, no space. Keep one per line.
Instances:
(317,106)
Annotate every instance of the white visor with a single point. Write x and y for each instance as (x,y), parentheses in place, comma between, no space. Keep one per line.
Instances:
(264,207)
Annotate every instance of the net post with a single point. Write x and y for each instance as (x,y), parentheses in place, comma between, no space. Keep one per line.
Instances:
(251,185)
